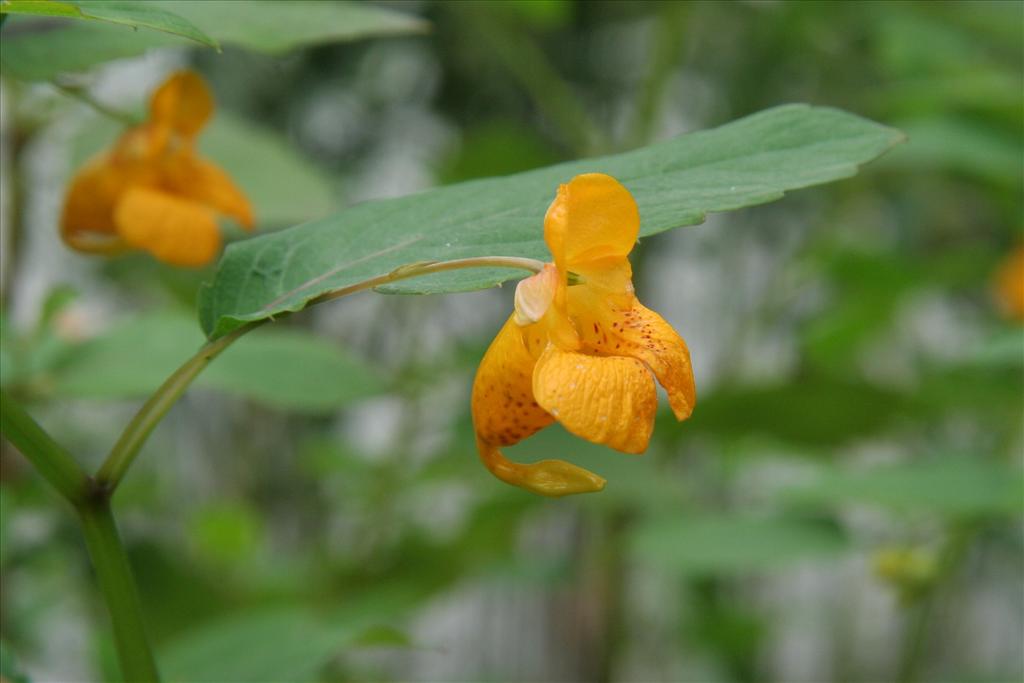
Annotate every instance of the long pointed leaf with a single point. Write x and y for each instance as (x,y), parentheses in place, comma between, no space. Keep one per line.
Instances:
(676,183)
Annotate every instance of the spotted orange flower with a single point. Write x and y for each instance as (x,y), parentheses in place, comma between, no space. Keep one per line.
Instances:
(152,191)
(579,348)
(1009,285)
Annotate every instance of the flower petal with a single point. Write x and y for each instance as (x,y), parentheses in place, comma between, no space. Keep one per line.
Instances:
(87,219)
(183,103)
(593,217)
(175,231)
(534,296)
(552,478)
(636,331)
(189,175)
(504,413)
(605,399)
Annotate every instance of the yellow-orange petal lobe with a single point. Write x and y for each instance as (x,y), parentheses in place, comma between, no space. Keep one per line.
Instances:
(189,175)
(592,217)
(504,411)
(608,400)
(176,231)
(88,212)
(1009,285)
(183,103)
(638,332)
(552,478)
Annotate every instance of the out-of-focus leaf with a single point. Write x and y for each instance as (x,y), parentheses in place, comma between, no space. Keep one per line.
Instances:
(129,360)
(34,52)
(10,371)
(632,480)
(717,544)
(278,644)
(870,285)
(277,27)
(990,394)
(1005,349)
(57,299)
(676,183)
(284,187)
(965,146)
(125,12)
(814,413)
(383,636)
(286,643)
(540,13)
(226,532)
(292,370)
(42,52)
(287,369)
(497,148)
(955,486)
(10,672)
(26,356)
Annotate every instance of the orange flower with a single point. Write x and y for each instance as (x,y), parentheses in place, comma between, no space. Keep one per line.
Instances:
(152,191)
(1009,285)
(582,354)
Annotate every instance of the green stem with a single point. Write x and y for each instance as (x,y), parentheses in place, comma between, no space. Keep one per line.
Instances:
(427,267)
(919,622)
(92,504)
(114,575)
(82,95)
(91,495)
(149,416)
(526,62)
(51,460)
(665,52)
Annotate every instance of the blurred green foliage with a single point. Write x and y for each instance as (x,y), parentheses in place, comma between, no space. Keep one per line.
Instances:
(860,396)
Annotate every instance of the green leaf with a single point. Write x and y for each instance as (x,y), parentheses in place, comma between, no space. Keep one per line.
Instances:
(717,544)
(42,53)
(291,370)
(278,644)
(287,369)
(38,52)
(676,183)
(952,485)
(125,12)
(283,643)
(277,27)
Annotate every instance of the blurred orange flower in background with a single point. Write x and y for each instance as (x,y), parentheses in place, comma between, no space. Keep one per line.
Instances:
(152,191)
(1009,285)
(582,354)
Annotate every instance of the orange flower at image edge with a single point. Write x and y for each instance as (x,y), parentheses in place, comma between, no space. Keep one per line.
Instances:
(152,191)
(1009,285)
(582,354)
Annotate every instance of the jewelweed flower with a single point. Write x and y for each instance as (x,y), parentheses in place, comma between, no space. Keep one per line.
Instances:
(152,191)
(579,347)
(1009,285)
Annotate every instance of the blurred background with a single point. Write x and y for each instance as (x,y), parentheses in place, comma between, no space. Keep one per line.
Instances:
(845,504)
